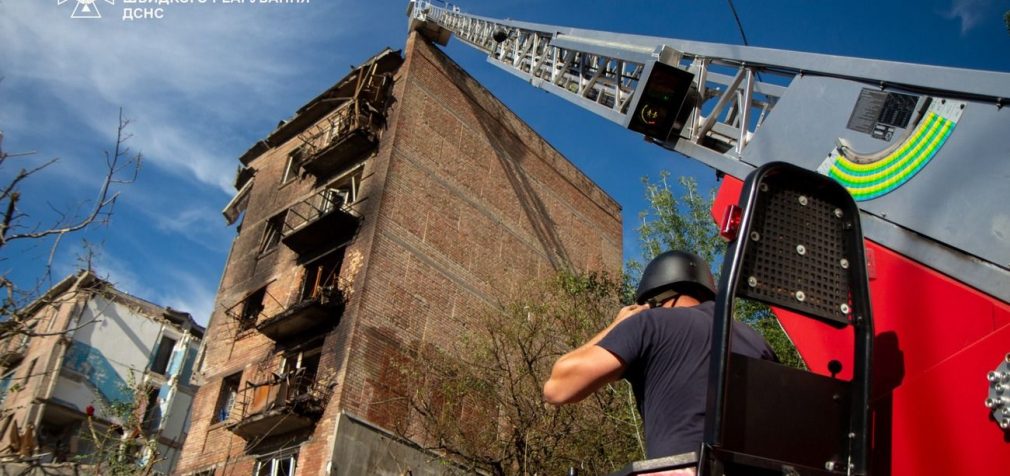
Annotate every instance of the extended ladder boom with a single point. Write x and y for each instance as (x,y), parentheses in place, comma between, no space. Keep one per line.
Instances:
(873,125)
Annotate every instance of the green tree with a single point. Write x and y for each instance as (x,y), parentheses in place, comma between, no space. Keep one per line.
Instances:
(480,402)
(684,222)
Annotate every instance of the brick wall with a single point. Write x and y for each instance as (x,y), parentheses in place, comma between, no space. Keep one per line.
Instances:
(462,203)
(474,204)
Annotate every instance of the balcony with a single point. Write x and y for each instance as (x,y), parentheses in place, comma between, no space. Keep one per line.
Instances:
(287,403)
(304,318)
(338,140)
(324,218)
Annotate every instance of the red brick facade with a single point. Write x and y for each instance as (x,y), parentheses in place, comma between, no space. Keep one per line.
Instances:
(459,203)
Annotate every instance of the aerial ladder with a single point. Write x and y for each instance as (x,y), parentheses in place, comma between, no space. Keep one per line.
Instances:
(922,153)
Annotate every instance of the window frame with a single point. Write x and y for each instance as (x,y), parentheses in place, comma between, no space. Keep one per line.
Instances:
(290,172)
(163,353)
(273,232)
(275,460)
(252,306)
(220,415)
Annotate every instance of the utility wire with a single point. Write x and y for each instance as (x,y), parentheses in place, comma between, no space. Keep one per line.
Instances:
(739,25)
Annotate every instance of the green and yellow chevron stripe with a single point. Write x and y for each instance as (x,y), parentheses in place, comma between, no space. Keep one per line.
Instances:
(872,180)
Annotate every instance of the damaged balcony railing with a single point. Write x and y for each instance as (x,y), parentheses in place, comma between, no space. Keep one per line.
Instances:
(323,218)
(343,136)
(318,311)
(282,404)
(247,312)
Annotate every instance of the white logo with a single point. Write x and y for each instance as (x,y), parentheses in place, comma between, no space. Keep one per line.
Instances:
(86,8)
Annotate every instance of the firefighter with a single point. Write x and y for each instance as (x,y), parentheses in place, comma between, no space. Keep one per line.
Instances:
(661,345)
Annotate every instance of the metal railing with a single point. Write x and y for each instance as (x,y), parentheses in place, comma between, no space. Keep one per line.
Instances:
(246,315)
(349,117)
(315,207)
(295,391)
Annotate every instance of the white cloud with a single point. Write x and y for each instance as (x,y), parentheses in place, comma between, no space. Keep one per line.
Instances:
(181,78)
(202,225)
(970,12)
(176,288)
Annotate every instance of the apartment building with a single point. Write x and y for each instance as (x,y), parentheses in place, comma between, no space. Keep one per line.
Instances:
(92,346)
(387,211)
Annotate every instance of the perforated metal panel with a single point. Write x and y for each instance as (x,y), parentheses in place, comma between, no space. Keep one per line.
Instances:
(795,256)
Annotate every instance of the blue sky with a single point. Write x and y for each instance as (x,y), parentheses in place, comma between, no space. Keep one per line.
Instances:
(206,81)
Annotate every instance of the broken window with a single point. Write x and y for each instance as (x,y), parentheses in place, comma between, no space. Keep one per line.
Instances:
(227,397)
(299,368)
(278,464)
(349,185)
(252,307)
(272,233)
(164,353)
(152,412)
(322,277)
(333,198)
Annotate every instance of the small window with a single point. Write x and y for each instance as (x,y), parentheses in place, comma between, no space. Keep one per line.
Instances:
(272,233)
(227,398)
(252,307)
(164,353)
(291,166)
(206,472)
(5,385)
(282,464)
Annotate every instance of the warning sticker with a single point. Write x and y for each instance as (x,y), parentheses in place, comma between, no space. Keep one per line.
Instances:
(878,113)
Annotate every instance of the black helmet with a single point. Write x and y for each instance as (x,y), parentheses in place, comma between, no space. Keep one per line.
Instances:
(680,271)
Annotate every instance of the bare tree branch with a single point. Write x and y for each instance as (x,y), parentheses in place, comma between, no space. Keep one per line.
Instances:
(121,167)
(116,163)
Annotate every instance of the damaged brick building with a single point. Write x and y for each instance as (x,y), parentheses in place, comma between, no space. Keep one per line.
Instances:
(387,210)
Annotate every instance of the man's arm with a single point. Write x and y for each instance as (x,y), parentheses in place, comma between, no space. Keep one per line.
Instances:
(584,370)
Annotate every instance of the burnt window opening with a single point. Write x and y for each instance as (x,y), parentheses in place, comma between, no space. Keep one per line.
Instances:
(163,355)
(322,278)
(300,369)
(272,233)
(251,308)
(226,398)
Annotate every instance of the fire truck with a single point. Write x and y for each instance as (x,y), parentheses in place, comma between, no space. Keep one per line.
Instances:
(865,200)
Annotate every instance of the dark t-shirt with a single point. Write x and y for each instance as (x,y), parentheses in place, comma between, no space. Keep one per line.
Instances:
(666,357)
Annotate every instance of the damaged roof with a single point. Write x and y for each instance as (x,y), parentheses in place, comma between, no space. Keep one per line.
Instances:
(387,60)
